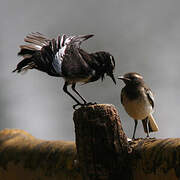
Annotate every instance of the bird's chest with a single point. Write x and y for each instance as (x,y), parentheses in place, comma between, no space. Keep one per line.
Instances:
(138,108)
(74,80)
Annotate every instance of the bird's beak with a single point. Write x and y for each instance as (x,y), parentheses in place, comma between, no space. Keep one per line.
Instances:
(112,77)
(124,78)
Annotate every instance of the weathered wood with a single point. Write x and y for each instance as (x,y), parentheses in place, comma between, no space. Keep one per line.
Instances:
(157,159)
(102,145)
(103,152)
(23,157)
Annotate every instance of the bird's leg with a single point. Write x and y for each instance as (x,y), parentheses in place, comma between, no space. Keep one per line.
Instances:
(147,126)
(85,102)
(135,126)
(73,88)
(91,103)
(67,92)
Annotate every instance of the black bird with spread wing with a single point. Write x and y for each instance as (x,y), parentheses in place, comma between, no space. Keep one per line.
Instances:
(63,57)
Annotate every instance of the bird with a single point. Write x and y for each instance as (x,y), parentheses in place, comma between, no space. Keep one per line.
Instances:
(64,57)
(138,101)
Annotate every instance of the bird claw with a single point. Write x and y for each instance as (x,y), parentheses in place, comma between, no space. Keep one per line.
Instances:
(85,104)
(75,106)
(90,103)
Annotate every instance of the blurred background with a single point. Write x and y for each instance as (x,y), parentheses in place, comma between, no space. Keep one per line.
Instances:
(143,36)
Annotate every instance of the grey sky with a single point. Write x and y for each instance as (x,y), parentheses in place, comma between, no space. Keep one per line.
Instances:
(143,36)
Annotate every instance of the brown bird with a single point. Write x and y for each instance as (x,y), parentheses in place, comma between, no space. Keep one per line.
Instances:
(138,101)
(64,58)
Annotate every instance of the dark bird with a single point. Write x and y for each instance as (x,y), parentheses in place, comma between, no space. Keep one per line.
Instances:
(138,101)
(63,57)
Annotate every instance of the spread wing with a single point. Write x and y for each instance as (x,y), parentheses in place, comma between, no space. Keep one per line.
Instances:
(74,65)
(47,54)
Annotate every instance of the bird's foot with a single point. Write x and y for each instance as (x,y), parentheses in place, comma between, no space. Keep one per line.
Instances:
(85,104)
(76,105)
(90,103)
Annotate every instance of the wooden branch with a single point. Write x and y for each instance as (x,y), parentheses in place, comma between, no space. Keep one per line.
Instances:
(103,152)
(23,157)
(157,159)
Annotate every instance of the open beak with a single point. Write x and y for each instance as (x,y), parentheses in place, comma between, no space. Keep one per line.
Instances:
(112,77)
(124,78)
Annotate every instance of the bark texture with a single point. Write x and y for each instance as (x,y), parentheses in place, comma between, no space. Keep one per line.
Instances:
(23,157)
(103,152)
(102,145)
(157,159)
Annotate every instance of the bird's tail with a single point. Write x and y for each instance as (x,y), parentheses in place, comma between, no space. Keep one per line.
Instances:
(151,124)
(33,53)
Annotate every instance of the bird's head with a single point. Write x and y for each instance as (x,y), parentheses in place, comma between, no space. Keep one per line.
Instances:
(132,78)
(106,65)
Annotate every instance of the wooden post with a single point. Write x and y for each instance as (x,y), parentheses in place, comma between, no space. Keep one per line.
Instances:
(102,145)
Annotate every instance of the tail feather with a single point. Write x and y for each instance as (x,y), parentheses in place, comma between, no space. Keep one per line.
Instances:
(58,42)
(54,46)
(37,37)
(30,52)
(79,39)
(152,123)
(24,65)
(27,49)
(153,127)
(38,42)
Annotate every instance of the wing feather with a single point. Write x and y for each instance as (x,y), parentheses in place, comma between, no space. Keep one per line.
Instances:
(150,97)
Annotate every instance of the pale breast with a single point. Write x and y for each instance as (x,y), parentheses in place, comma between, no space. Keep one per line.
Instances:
(137,109)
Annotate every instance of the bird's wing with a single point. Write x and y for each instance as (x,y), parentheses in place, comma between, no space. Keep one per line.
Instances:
(47,54)
(35,42)
(73,63)
(74,66)
(76,40)
(150,96)
(70,43)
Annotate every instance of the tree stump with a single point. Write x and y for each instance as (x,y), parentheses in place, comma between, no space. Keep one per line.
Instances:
(102,145)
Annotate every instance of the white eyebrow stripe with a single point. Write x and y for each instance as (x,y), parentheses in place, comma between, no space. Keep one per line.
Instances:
(138,76)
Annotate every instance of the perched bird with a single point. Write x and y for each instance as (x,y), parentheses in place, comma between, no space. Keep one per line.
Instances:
(138,101)
(63,57)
